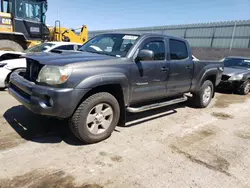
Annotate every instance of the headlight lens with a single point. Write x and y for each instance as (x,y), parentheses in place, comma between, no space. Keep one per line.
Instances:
(54,74)
(236,77)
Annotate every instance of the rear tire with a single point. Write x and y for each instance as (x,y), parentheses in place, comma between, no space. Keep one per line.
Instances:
(9,45)
(203,97)
(96,118)
(244,88)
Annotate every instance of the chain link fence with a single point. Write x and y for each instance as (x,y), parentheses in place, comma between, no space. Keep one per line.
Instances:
(231,34)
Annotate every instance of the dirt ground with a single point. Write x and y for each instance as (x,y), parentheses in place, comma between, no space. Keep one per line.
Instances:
(177,146)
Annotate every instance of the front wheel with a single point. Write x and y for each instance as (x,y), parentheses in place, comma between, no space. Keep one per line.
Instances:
(9,45)
(244,88)
(203,97)
(95,118)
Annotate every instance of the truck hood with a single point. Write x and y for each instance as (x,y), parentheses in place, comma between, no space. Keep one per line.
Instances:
(234,71)
(66,57)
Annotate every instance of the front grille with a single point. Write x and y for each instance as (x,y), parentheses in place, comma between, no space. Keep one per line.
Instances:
(32,70)
(225,77)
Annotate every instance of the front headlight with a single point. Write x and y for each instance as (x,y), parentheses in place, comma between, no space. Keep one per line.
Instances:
(236,77)
(54,74)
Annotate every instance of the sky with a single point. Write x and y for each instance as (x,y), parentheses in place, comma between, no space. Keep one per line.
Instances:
(117,14)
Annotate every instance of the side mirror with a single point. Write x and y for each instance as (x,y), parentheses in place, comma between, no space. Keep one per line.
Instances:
(145,55)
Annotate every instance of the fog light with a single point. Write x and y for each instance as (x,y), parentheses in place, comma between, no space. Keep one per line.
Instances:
(46,102)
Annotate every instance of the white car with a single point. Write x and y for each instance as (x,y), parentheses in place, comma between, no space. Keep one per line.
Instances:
(12,64)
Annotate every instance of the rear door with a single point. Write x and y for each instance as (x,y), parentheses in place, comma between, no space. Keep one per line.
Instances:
(180,67)
(149,76)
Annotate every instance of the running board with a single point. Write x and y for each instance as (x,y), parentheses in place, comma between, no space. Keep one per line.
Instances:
(156,105)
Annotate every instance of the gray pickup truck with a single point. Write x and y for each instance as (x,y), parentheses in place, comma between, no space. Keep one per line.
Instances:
(111,74)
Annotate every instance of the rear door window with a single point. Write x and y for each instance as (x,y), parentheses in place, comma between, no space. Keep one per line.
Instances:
(178,50)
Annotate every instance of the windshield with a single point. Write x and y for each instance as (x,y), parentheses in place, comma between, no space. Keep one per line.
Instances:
(39,48)
(29,9)
(110,44)
(237,63)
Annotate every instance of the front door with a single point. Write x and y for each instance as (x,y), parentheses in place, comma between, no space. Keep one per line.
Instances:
(180,67)
(149,76)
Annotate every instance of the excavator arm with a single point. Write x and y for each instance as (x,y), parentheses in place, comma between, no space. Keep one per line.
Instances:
(59,33)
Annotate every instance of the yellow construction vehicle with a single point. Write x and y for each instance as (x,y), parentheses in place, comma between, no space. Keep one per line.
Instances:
(59,33)
(22,25)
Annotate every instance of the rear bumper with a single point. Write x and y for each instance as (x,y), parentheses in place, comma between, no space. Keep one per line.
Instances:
(44,100)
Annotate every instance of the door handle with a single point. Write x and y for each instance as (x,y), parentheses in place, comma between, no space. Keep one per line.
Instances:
(188,67)
(164,69)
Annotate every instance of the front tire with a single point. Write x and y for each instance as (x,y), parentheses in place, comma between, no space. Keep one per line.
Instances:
(244,88)
(203,97)
(95,118)
(10,45)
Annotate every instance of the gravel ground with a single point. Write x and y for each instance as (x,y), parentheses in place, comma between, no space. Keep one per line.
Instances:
(177,146)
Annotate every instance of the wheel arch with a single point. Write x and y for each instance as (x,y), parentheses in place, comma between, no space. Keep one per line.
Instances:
(114,89)
(107,80)
(247,77)
(210,74)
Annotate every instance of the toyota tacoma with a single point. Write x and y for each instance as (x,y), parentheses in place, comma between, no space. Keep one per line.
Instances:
(112,74)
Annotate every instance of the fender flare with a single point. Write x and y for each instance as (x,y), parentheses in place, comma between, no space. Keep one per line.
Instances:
(205,75)
(3,35)
(246,77)
(107,79)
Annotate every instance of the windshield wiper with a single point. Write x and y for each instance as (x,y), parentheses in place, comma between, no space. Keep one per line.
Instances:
(96,52)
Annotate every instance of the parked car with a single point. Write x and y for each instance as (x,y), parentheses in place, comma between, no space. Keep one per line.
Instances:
(236,75)
(94,88)
(8,63)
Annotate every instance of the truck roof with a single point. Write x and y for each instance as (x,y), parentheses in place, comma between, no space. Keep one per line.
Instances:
(145,34)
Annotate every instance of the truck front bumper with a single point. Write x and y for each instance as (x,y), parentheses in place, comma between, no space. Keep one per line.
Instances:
(44,100)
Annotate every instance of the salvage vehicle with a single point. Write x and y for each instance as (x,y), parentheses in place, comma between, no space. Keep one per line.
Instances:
(115,73)
(236,75)
(9,63)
